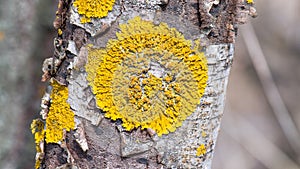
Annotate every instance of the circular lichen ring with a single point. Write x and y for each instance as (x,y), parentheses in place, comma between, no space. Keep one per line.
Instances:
(149,77)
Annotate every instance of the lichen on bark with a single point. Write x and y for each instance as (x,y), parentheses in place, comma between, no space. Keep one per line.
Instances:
(159,70)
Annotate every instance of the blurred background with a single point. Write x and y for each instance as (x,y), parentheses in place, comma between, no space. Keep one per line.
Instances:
(260,126)
(260,129)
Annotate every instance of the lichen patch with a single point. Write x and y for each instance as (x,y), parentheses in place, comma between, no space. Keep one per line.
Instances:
(149,77)
(93,8)
(201,150)
(60,116)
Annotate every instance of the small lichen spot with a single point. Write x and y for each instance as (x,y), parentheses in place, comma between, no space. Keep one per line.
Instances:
(250,1)
(37,129)
(59,32)
(201,150)
(203,134)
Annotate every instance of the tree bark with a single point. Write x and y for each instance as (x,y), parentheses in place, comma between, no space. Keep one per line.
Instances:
(101,139)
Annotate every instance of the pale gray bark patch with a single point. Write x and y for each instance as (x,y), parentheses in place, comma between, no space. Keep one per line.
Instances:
(81,98)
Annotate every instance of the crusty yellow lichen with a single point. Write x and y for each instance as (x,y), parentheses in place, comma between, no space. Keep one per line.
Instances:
(201,150)
(93,8)
(59,32)
(60,116)
(37,129)
(149,77)
(250,1)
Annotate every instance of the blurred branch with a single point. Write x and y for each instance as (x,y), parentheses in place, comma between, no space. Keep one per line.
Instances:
(259,146)
(271,91)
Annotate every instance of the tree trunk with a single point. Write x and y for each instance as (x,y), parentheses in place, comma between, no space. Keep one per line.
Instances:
(137,84)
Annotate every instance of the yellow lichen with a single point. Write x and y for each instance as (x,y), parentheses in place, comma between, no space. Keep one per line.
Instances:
(37,129)
(60,116)
(93,8)
(150,77)
(249,1)
(59,32)
(201,150)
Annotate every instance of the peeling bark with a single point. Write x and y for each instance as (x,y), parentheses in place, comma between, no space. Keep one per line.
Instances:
(99,142)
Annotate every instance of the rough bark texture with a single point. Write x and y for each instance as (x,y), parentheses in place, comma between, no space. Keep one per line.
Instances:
(98,142)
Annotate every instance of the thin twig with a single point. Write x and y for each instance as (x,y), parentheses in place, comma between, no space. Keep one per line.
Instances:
(270,89)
